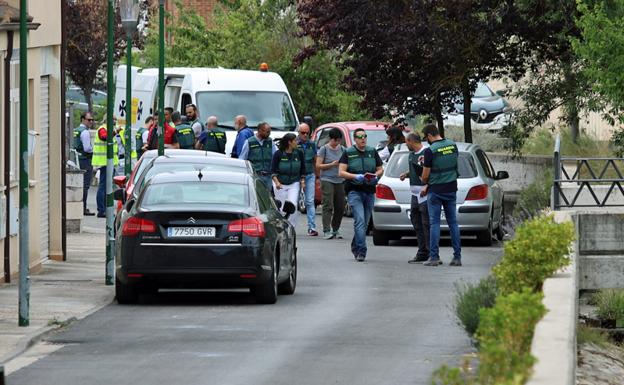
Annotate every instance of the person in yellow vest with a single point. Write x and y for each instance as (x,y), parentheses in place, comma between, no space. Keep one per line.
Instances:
(99,160)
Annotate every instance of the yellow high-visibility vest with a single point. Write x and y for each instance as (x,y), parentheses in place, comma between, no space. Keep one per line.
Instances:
(99,152)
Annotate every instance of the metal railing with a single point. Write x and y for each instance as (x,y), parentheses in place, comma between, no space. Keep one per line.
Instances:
(586,177)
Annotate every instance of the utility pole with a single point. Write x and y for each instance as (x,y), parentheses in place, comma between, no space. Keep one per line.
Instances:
(24,249)
(161,77)
(110,214)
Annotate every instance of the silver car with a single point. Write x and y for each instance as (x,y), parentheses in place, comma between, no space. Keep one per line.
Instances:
(479,198)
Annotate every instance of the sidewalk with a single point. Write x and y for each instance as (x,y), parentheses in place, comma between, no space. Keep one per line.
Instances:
(61,293)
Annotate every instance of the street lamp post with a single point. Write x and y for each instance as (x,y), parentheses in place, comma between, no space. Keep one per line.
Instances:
(110,214)
(129,10)
(161,77)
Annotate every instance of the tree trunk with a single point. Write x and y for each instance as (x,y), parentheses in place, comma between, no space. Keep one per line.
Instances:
(571,106)
(88,90)
(467,103)
(437,112)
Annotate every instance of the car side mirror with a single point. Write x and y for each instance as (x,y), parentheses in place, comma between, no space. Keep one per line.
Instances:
(501,93)
(289,208)
(119,194)
(278,203)
(120,180)
(502,175)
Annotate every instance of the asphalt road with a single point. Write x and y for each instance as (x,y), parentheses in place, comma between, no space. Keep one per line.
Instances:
(380,322)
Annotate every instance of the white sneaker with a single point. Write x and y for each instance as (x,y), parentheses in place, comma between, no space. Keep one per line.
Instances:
(337,235)
(328,235)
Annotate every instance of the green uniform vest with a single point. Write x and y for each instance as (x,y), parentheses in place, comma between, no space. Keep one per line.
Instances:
(99,153)
(289,169)
(139,141)
(415,167)
(361,162)
(260,155)
(444,163)
(309,152)
(186,136)
(215,141)
(78,143)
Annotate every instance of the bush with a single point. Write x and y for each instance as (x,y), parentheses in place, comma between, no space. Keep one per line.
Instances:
(505,334)
(540,248)
(471,298)
(610,304)
(535,197)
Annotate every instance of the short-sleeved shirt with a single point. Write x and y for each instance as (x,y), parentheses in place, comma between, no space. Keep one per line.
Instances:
(438,188)
(360,187)
(328,155)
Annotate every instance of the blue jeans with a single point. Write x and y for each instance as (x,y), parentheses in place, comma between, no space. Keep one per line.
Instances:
(435,202)
(100,198)
(310,180)
(362,207)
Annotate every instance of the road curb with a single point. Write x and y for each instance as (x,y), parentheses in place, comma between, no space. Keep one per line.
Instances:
(31,339)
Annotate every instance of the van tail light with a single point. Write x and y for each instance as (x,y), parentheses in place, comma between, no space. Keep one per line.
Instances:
(384,192)
(477,192)
(133,226)
(254,227)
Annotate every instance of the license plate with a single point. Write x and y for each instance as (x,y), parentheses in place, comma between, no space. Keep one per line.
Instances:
(191,232)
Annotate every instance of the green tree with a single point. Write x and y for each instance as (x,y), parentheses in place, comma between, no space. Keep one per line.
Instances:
(246,33)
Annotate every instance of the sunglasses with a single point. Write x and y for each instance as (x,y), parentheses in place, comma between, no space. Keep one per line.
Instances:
(361,136)
(304,132)
(90,120)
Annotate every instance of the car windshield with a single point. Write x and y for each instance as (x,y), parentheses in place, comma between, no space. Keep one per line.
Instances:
(76,95)
(195,193)
(159,168)
(258,106)
(374,137)
(398,165)
(483,91)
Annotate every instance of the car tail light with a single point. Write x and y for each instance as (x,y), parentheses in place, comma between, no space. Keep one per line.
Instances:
(477,192)
(254,227)
(133,226)
(384,192)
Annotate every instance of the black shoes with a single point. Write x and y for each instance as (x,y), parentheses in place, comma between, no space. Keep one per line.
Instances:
(417,259)
(432,262)
(86,212)
(455,262)
(101,215)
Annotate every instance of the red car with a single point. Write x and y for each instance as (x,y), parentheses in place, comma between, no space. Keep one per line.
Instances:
(376,132)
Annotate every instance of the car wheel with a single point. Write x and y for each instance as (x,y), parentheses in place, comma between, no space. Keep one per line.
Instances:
(301,204)
(484,238)
(125,293)
(380,238)
(267,292)
(289,286)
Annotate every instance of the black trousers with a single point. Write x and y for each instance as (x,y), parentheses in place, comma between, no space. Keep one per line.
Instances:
(420,221)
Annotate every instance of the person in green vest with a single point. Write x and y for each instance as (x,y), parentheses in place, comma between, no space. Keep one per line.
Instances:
(289,170)
(308,147)
(259,150)
(184,132)
(99,160)
(419,214)
(141,136)
(82,144)
(213,138)
(361,167)
(440,175)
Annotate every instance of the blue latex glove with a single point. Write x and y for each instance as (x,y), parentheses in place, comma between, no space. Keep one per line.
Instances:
(360,178)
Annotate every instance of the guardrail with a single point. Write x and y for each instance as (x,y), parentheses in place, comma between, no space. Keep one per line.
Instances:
(586,178)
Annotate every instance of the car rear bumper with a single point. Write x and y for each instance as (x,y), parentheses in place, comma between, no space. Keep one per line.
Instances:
(391,216)
(195,265)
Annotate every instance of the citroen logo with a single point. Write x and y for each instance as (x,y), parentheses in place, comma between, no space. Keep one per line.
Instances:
(191,220)
(483,114)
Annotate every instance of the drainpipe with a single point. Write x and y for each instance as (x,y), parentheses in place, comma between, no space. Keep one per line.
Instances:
(63,134)
(7,155)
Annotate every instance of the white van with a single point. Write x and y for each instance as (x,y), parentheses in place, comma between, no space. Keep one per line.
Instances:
(225,93)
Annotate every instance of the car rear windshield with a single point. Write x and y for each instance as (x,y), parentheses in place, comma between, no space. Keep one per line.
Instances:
(398,165)
(184,166)
(195,193)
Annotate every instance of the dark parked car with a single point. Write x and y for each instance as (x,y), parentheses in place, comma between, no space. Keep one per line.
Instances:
(213,229)
(488,110)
